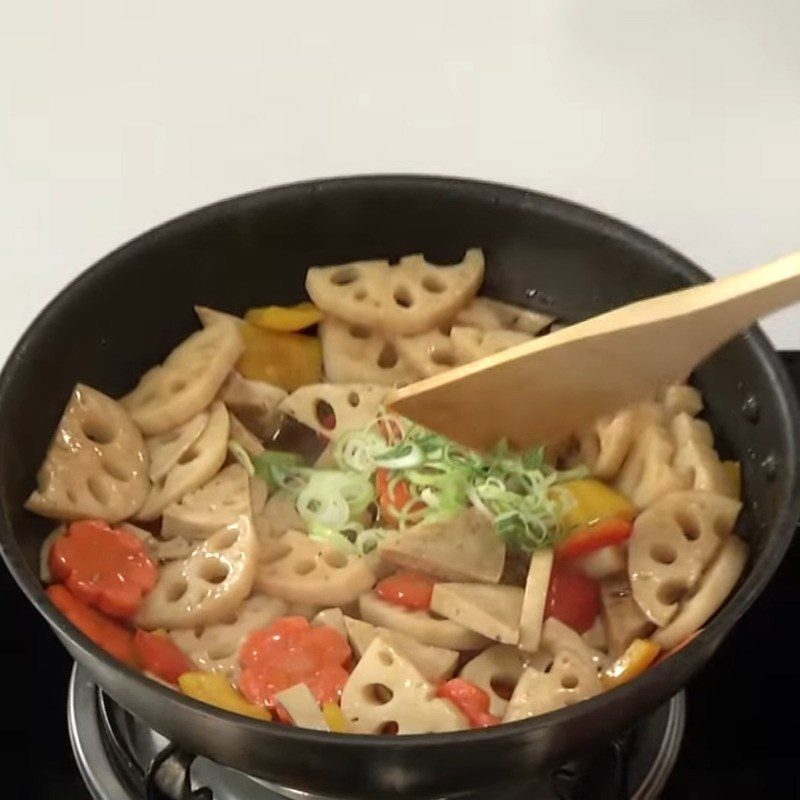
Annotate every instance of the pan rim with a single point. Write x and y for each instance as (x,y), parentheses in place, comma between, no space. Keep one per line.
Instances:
(546,204)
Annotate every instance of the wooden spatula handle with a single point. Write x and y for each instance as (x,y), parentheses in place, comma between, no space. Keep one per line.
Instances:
(721,308)
(748,296)
(543,390)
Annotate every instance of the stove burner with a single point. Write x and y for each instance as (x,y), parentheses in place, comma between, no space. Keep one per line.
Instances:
(122,759)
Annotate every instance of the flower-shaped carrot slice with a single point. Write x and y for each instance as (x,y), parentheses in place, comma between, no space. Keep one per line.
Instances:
(291,651)
(104,567)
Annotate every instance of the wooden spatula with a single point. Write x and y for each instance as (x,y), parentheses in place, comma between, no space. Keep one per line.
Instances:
(545,389)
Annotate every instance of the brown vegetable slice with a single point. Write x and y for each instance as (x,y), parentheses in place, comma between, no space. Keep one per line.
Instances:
(97,465)
(410,297)
(672,543)
(187,381)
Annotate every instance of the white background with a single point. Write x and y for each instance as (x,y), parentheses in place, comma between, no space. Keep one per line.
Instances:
(680,117)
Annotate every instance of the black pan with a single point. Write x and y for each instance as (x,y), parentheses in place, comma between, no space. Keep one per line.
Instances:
(130,309)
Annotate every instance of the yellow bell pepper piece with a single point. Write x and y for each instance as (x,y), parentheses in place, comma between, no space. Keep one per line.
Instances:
(214,689)
(334,718)
(284,318)
(288,360)
(633,662)
(733,469)
(593,501)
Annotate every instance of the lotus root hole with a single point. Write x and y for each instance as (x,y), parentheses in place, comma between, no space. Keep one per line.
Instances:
(177,386)
(502,688)
(176,590)
(671,592)
(336,559)
(688,524)
(190,455)
(443,357)
(325,414)
(221,651)
(445,328)
(663,553)
(344,276)
(360,295)
(304,566)
(691,532)
(359,332)
(378,694)
(386,658)
(354,399)
(98,431)
(199,631)
(388,357)
(390,728)
(116,471)
(221,540)
(403,297)
(432,284)
(434,615)
(569,681)
(213,570)
(98,488)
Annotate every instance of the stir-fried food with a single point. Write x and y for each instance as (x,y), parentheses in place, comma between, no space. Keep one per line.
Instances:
(251,525)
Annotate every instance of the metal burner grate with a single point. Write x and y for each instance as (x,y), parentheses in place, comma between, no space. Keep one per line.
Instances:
(122,759)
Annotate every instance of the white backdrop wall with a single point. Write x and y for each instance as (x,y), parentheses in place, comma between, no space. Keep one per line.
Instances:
(681,117)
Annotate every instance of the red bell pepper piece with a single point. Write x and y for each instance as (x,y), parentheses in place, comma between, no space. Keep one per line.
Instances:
(572,597)
(605,533)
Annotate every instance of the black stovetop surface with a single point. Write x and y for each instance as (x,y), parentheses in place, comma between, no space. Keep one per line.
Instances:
(740,741)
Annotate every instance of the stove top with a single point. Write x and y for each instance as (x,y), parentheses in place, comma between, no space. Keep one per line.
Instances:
(734,744)
(120,758)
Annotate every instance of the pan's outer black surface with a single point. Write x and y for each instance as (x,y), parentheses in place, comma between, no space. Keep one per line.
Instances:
(126,312)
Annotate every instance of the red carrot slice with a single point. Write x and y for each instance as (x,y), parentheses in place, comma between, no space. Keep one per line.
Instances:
(104,632)
(161,656)
(470,700)
(291,651)
(104,567)
(408,588)
(392,499)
